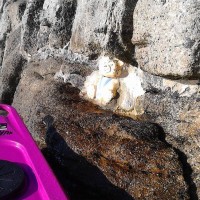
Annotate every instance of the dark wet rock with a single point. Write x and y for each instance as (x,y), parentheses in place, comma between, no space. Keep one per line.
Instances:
(180,119)
(128,153)
(79,178)
(173,104)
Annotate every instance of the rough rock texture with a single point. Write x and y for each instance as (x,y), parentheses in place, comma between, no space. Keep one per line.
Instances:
(57,19)
(173,104)
(42,23)
(128,153)
(12,60)
(178,113)
(5,27)
(103,25)
(47,23)
(30,27)
(179,116)
(167,37)
(13,66)
(165,42)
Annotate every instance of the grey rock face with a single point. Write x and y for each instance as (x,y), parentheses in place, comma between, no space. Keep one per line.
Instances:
(47,23)
(11,59)
(56,22)
(31,26)
(5,28)
(103,25)
(1,5)
(167,37)
(10,21)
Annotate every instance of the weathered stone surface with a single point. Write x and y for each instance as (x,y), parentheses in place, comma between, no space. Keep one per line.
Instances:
(174,104)
(10,23)
(10,40)
(167,37)
(10,75)
(128,153)
(47,24)
(5,28)
(103,25)
(1,5)
(12,61)
(30,27)
(73,77)
(180,119)
(57,16)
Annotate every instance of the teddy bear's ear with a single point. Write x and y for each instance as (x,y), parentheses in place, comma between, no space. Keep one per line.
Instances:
(120,63)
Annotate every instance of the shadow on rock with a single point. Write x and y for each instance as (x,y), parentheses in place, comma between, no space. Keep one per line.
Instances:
(187,170)
(80,179)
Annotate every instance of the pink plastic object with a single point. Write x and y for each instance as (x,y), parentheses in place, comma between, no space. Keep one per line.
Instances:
(17,145)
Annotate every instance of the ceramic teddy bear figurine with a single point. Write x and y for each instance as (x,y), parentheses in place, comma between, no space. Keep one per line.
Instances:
(101,86)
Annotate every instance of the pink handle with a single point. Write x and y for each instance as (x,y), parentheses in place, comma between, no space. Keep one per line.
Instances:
(5,108)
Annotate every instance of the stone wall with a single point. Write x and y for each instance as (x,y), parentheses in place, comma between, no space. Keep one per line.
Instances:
(63,40)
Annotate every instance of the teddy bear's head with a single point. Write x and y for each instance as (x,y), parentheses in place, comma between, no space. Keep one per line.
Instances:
(111,68)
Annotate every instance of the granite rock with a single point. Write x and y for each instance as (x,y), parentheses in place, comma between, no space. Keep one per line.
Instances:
(5,28)
(56,23)
(30,27)
(103,26)
(167,37)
